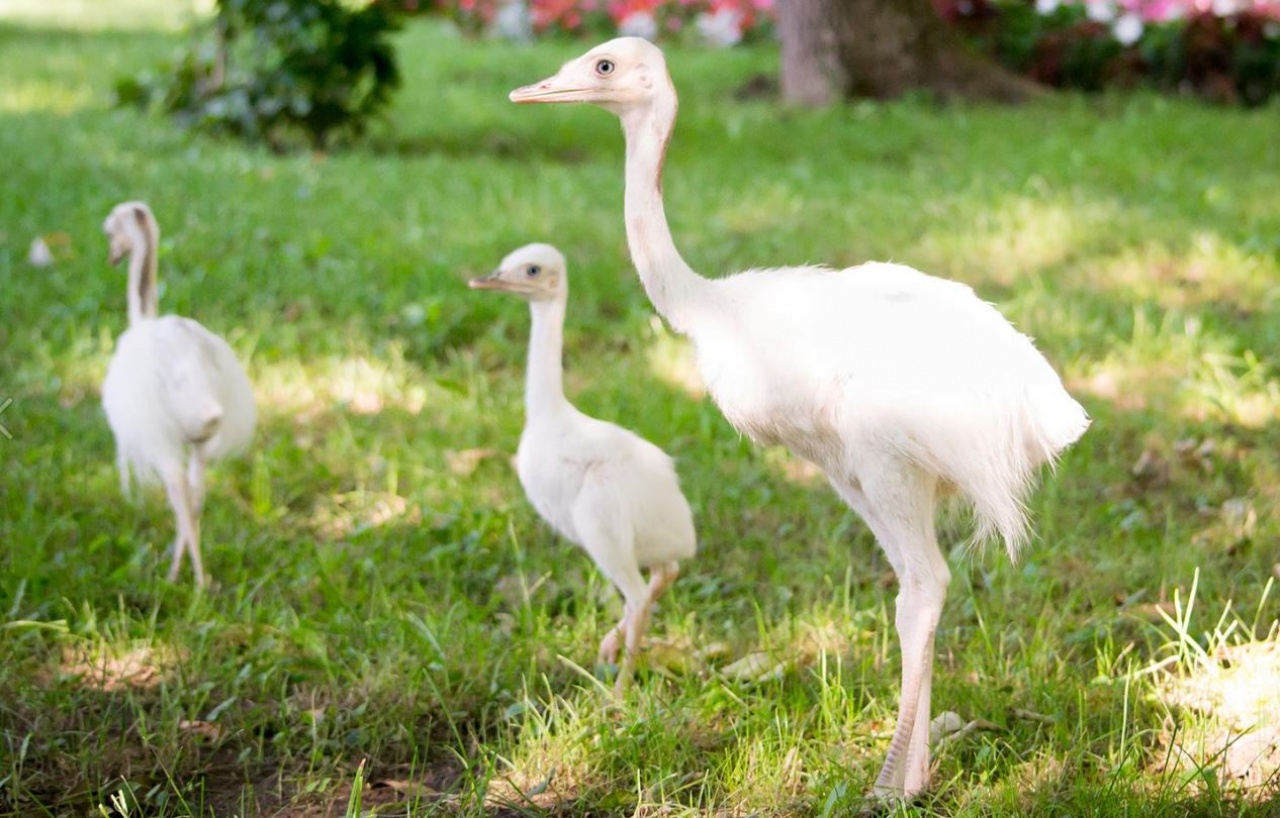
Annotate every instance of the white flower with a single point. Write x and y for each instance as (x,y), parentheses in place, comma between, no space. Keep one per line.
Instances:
(724,28)
(513,22)
(1046,7)
(40,255)
(639,24)
(1100,11)
(1128,29)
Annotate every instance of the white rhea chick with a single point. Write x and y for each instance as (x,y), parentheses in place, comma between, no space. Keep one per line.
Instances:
(901,387)
(175,395)
(600,486)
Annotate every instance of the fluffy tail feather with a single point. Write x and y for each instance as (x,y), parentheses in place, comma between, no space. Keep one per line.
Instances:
(997,475)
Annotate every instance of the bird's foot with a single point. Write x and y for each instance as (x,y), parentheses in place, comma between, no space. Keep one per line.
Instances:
(887,801)
(883,799)
(609,647)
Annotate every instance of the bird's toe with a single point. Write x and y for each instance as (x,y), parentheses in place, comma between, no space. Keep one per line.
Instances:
(609,646)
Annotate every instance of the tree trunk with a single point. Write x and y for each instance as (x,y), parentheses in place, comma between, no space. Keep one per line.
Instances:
(832,49)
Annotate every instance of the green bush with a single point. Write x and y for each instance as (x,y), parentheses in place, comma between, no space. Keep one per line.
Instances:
(280,70)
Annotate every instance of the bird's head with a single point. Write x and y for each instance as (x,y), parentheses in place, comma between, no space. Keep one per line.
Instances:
(535,272)
(617,75)
(127,228)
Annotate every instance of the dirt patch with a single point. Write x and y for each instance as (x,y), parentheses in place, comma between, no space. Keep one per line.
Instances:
(385,792)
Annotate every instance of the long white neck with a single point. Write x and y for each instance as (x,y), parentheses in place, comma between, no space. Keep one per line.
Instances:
(544,379)
(143,299)
(675,290)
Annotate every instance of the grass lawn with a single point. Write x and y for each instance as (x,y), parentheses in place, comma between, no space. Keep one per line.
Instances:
(392,630)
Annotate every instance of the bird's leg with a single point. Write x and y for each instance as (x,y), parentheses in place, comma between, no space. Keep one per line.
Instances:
(898,506)
(662,577)
(175,483)
(122,465)
(632,625)
(916,779)
(919,605)
(637,622)
(197,565)
(188,524)
(614,553)
(631,584)
(195,495)
(195,479)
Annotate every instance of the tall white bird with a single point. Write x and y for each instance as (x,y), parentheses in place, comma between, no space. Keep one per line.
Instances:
(605,488)
(175,395)
(901,387)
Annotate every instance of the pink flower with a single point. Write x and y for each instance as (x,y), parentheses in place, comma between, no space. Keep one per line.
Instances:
(1155,11)
(548,13)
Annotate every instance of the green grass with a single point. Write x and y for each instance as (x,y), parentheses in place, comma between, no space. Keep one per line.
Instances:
(379,602)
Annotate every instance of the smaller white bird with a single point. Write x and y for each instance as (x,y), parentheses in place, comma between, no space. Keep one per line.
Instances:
(175,394)
(602,487)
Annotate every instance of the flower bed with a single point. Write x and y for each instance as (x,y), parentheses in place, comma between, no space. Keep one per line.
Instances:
(719,22)
(1224,50)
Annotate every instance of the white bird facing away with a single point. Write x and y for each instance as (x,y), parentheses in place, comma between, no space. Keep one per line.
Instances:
(175,394)
(901,387)
(610,491)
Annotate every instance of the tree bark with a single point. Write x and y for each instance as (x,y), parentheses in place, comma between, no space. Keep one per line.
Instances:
(833,49)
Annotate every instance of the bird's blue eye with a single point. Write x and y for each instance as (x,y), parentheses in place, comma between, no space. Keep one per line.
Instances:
(533,270)
(604,67)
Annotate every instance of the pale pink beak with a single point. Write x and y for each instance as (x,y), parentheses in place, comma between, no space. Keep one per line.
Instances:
(488,282)
(548,90)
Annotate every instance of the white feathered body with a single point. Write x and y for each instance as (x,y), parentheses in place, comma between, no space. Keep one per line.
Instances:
(881,359)
(579,471)
(173,386)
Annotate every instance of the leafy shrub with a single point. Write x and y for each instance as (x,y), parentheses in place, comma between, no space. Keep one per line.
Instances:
(1233,58)
(277,70)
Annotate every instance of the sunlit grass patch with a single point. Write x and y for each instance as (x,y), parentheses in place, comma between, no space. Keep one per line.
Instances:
(1206,271)
(1223,727)
(103,667)
(91,15)
(1019,235)
(47,97)
(1236,737)
(360,385)
(1181,365)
